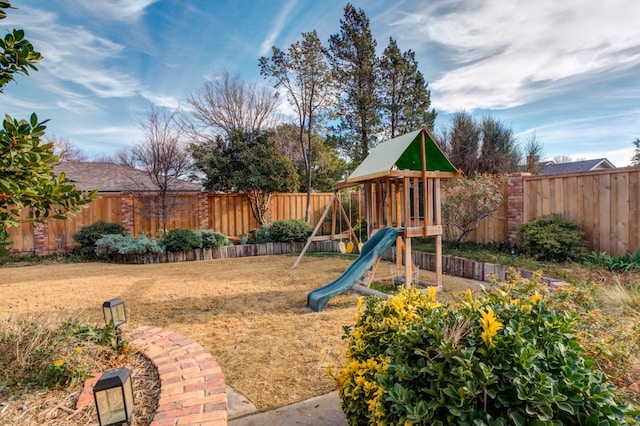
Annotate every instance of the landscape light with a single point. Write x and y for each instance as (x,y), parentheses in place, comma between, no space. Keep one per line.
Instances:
(113,395)
(115,313)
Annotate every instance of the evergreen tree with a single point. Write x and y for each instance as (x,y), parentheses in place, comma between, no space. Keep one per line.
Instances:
(249,163)
(463,143)
(635,160)
(404,95)
(499,152)
(352,54)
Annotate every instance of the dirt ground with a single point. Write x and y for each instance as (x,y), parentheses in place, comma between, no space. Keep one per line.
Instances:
(249,313)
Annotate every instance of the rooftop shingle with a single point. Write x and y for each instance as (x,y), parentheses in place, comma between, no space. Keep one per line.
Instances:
(108,177)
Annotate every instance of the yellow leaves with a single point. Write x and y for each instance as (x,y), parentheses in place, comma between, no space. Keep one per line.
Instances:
(490,326)
(58,363)
(360,309)
(536,296)
(431,294)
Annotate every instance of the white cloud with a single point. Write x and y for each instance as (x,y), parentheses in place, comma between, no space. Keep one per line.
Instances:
(507,52)
(160,100)
(619,157)
(76,55)
(276,27)
(118,10)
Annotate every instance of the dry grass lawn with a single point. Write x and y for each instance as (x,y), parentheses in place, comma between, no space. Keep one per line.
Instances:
(249,313)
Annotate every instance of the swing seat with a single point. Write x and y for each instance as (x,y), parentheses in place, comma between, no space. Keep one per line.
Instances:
(360,247)
(349,247)
(342,247)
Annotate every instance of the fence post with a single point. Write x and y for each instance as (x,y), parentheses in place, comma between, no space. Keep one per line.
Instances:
(40,238)
(203,210)
(515,204)
(127,217)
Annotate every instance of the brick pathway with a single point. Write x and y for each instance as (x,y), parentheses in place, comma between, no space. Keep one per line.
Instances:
(192,389)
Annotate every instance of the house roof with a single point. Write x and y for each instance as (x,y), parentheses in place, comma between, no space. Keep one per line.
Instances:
(402,153)
(576,166)
(108,177)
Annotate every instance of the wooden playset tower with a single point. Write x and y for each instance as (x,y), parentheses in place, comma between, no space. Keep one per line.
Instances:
(401,179)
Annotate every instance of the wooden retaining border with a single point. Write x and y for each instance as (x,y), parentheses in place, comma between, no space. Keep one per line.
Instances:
(192,388)
(451,265)
(227,252)
(466,268)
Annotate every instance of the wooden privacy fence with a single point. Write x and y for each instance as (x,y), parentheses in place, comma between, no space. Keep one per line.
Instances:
(605,203)
(226,213)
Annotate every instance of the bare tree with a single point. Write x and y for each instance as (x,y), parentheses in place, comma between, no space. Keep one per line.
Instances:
(123,157)
(225,105)
(562,159)
(164,157)
(66,150)
(303,73)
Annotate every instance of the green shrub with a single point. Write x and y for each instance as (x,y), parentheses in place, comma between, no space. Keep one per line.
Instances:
(626,263)
(5,246)
(88,235)
(112,244)
(553,238)
(489,361)
(181,240)
(263,235)
(211,239)
(284,231)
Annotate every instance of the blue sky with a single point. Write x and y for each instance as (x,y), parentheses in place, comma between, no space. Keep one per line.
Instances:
(567,71)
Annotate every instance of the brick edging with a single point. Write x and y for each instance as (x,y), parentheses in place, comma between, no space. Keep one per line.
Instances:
(192,388)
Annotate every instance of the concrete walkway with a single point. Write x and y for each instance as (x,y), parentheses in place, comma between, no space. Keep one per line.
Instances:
(319,411)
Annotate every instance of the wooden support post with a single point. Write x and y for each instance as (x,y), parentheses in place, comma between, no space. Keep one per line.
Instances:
(408,263)
(388,203)
(438,219)
(368,200)
(399,252)
(398,199)
(407,203)
(335,202)
(373,272)
(416,201)
(424,184)
(315,231)
(379,205)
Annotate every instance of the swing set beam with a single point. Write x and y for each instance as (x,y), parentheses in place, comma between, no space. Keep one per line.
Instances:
(336,204)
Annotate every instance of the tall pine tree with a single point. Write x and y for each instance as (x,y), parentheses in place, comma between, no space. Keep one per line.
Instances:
(404,94)
(352,54)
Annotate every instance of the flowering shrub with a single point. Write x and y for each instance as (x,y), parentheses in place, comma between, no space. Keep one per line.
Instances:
(494,360)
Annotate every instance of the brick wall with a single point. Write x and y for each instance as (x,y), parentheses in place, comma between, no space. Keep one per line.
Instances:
(515,203)
(127,212)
